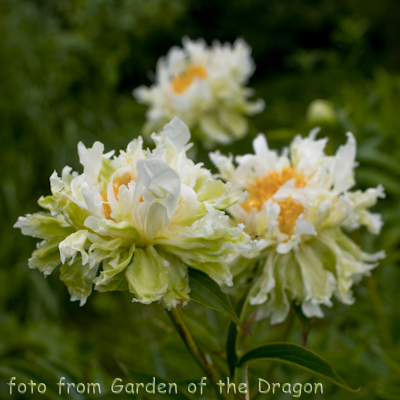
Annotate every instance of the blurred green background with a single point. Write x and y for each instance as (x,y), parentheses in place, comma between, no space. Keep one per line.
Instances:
(67,69)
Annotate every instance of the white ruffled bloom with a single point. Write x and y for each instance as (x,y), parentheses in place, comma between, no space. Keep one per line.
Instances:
(204,86)
(297,205)
(137,222)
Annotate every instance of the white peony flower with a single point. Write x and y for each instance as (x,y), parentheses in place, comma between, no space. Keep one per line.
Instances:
(297,204)
(137,222)
(205,88)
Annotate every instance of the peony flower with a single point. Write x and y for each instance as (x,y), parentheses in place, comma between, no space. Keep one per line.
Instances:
(299,207)
(205,88)
(136,222)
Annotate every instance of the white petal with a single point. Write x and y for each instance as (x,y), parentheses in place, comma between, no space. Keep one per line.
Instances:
(162,183)
(91,159)
(344,165)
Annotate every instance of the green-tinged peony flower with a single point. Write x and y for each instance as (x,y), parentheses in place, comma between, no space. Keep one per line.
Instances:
(299,205)
(137,222)
(205,88)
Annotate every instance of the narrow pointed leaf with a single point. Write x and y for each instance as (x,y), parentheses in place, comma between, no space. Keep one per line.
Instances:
(298,356)
(208,293)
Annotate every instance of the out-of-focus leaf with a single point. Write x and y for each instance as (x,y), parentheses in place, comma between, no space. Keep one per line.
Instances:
(26,371)
(140,376)
(206,335)
(380,159)
(295,355)
(372,177)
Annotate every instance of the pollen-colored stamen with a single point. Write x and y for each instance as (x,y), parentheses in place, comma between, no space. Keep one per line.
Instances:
(181,82)
(106,206)
(288,215)
(124,179)
(263,189)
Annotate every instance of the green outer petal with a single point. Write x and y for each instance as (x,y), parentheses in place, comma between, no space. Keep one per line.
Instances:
(178,285)
(107,169)
(74,214)
(46,257)
(209,259)
(48,203)
(75,243)
(106,227)
(219,194)
(211,189)
(277,305)
(78,278)
(318,282)
(236,124)
(113,273)
(147,275)
(103,248)
(213,129)
(43,225)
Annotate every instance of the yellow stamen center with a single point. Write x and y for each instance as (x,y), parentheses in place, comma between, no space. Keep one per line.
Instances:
(181,82)
(124,179)
(288,215)
(263,189)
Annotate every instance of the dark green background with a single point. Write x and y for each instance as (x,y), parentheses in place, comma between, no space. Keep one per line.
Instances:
(67,69)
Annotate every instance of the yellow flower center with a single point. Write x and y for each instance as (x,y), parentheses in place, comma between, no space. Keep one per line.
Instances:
(181,82)
(263,189)
(288,215)
(124,179)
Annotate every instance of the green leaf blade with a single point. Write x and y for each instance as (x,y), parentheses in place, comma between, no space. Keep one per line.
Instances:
(299,356)
(208,293)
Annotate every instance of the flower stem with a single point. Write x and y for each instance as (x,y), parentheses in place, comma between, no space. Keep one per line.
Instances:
(383,324)
(181,327)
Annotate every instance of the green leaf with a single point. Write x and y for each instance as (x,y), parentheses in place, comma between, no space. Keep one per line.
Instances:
(231,339)
(24,371)
(208,293)
(371,177)
(299,356)
(381,159)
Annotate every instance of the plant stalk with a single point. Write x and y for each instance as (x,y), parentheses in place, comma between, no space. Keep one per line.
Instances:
(380,314)
(181,327)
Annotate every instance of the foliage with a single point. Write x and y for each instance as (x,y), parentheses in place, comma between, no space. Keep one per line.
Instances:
(66,72)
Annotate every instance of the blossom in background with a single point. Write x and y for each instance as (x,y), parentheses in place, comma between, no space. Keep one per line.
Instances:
(136,222)
(298,205)
(321,112)
(204,86)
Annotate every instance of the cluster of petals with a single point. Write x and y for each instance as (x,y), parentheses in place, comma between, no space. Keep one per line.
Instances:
(301,209)
(137,222)
(205,87)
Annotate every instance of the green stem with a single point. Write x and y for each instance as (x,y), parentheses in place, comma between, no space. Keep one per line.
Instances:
(380,314)
(181,327)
